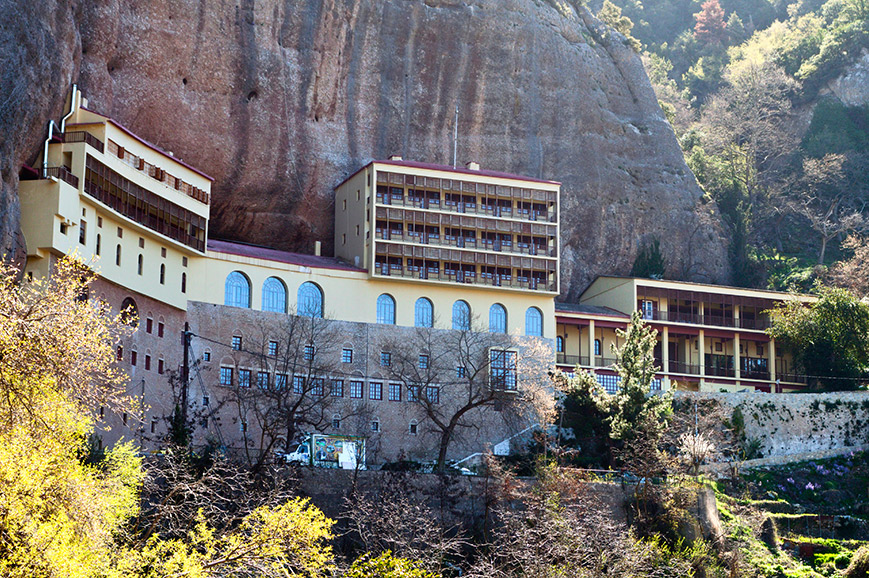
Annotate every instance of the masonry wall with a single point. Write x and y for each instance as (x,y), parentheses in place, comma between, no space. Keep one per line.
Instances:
(241,417)
(799,423)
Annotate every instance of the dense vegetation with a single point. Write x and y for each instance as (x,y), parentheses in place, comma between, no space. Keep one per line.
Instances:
(744,83)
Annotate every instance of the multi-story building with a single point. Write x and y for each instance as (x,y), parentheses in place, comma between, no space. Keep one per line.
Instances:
(138,216)
(710,337)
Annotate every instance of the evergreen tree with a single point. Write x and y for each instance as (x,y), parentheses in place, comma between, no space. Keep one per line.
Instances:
(650,262)
(710,27)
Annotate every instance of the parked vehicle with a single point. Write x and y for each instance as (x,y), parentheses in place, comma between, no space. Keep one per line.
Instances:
(330,451)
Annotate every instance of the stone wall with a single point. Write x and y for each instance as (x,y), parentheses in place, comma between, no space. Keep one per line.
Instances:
(799,423)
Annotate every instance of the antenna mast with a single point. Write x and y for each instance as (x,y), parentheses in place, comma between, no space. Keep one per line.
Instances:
(456,136)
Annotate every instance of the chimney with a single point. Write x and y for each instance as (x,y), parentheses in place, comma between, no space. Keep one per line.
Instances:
(472,166)
(318,248)
(84,102)
(395,157)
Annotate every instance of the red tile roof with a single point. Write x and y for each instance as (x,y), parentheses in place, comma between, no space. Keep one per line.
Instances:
(257,252)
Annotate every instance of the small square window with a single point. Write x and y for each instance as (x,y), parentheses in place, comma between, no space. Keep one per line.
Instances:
(337,388)
(273,348)
(423,361)
(346,355)
(63,228)
(298,384)
(394,392)
(236,342)
(244,378)
(719,346)
(375,390)
(225,376)
(262,379)
(412,429)
(375,426)
(460,371)
(385,358)
(141,242)
(206,356)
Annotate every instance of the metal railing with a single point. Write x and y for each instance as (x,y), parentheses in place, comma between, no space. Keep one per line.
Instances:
(468,208)
(63,174)
(466,243)
(711,320)
(85,137)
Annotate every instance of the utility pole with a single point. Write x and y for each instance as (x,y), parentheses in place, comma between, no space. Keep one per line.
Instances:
(185,371)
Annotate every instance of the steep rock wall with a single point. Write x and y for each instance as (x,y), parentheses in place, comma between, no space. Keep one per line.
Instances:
(282,99)
(39,59)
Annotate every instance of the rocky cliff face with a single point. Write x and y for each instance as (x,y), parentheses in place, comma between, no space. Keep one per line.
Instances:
(280,100)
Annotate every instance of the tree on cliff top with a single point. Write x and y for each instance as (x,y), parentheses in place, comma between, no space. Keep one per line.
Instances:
(829,338)
(611,15)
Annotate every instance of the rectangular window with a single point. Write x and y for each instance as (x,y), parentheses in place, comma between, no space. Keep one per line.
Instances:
(100,222)
(433,394)
(356,389)
(375,426)
(309,352)
(317,386)
(244,378)
(385,358)
(394,392)
(413,393)
(149,325)
(346,355)
(336,422)
(280,381)
(205,401)
(375,390)
(648,309)
(236,342)
(153,425)
(120,353)
(225,376)
(120,233)
(160,328)
(206,356)
(134,357)
(82,231)
(337,388)
(141,243)
(160,366)
(423,361)
(502,369)
(460,371)
(298,384)
(273,348)
(262,379)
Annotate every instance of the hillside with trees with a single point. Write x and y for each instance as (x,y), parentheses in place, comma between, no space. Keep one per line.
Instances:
(772,125)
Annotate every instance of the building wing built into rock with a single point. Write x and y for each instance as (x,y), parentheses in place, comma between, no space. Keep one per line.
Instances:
(440,302)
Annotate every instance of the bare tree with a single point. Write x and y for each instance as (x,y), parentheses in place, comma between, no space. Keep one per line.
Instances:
(284,382)
(451,375)
(830,197)
(698,433)
(853,273)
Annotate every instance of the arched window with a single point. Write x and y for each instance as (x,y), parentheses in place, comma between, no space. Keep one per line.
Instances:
(497,319)
(597,346)
(118,255)
(423,313)
(310,300)
(274,295)
(162,274)
(130,312)
(559,344)
(533,322)
(386,309)
(184,282)
(461,315)
(141,265)
(237,292)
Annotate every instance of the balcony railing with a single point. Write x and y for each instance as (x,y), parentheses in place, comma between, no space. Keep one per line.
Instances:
(464,277)
(466,243)
(85,137)
(63,174)
(469,208)
(711,320)
(571,360)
